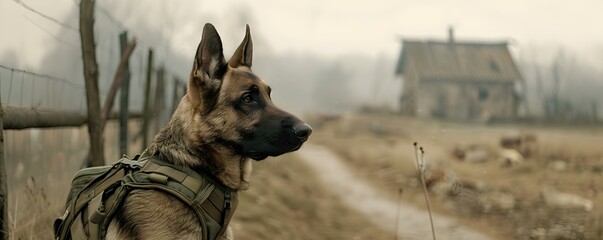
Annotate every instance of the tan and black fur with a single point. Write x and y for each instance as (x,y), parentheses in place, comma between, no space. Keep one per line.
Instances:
(225,119)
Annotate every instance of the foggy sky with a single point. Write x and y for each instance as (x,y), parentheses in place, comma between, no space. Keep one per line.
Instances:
(301,47)
(330,28)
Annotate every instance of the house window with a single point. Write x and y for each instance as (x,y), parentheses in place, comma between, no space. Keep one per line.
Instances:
(482,94)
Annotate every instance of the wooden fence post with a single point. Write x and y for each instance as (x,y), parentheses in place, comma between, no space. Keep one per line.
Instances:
(158,107)
(117,81)
(124,97)
(145,108)
(3,186)
(184,86)
(175,94)
(91,78)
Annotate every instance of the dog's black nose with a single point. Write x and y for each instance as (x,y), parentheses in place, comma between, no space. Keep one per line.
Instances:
(302,131)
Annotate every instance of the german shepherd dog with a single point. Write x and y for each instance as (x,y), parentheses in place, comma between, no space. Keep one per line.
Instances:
(225,119)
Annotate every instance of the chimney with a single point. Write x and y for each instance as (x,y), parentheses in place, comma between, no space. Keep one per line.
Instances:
(450,34)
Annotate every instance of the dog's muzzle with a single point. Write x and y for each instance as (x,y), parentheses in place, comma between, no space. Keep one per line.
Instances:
(302,132)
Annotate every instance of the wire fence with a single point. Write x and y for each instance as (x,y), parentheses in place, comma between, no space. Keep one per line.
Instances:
(25,89)
(41,162)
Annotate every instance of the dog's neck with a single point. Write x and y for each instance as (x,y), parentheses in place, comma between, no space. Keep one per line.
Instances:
(177,143)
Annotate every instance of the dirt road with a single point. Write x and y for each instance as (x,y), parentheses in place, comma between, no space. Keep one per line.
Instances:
(359,195)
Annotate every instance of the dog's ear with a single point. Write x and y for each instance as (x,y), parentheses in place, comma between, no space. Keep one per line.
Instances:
(209,58)
(208,69)
(244,53)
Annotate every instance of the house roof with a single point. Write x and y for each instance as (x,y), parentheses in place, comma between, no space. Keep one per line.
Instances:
(440,60)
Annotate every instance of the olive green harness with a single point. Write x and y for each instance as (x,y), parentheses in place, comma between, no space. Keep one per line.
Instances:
(98,192)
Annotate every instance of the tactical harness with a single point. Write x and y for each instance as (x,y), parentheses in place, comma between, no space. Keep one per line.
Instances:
(98,192)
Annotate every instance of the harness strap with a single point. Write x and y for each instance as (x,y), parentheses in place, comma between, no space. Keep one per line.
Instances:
(85,196)
(230,204)
(212,204)
(188,181)
(79,221)
(213,207)
(77,228)
(218,205)
(95,215)
(91,211)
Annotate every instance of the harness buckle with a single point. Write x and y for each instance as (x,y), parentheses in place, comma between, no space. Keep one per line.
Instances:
(131,164)
(227,203)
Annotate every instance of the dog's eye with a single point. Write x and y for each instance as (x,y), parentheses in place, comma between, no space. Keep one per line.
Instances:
(247,98)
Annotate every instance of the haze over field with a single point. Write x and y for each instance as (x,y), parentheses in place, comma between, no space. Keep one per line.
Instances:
(325,55)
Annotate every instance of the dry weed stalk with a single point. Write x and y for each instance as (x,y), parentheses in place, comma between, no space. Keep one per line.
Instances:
(420,164)
(15,219)
(398,214)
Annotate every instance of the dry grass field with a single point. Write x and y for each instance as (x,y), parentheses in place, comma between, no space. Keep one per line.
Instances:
(469,180)
(285,200)
(544,196)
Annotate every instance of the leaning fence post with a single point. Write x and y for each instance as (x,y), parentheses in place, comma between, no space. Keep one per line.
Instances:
(3,186)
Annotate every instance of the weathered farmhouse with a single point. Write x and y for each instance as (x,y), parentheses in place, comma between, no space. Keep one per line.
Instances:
(458,80)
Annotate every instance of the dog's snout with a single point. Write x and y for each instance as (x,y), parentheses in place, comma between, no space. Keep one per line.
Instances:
(287,122)
(302,131)
(299,129)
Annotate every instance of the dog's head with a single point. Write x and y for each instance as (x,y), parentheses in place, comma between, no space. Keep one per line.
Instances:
(232,105)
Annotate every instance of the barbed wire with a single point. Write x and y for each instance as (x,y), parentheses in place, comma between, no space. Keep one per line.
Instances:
(51,34)
(112,18)
(121,26)
(56,79)
(74,29)
(103,11)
